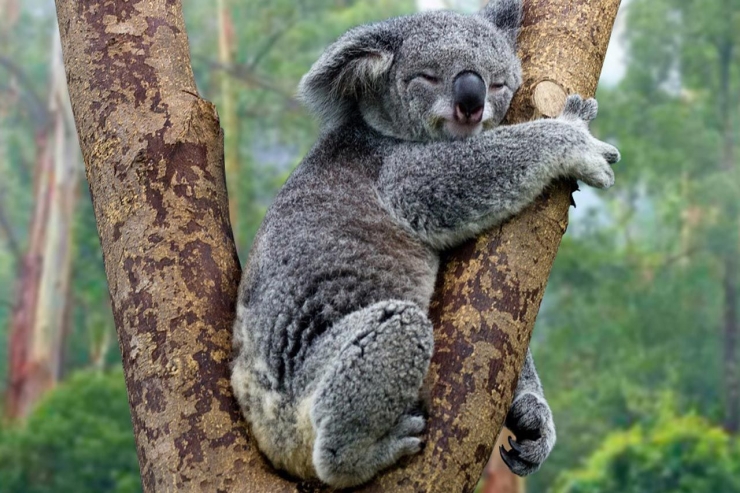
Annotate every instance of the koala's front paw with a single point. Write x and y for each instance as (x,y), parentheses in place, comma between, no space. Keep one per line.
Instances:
(592,158)
(530,419)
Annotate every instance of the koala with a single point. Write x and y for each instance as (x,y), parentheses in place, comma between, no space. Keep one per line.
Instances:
(332,338)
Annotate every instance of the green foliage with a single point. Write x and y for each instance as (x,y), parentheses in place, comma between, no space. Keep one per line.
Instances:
(635,305)
(78,440)
(675,455)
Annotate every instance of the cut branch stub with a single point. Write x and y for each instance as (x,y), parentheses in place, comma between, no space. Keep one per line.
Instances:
(548,99)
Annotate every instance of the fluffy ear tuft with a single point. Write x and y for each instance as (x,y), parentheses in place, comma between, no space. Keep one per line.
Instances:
(356,64)
(506,15)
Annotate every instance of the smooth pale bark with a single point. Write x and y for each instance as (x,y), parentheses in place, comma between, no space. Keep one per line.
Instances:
(227,109)
(39,320)
(154,158)
(25,381)
(50,328)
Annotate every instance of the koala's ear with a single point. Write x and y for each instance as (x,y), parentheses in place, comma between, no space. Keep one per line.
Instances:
(357,63)
(506,15)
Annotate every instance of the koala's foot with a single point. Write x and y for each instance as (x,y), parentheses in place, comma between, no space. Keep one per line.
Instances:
(592,163)
(365,409)
(531,421)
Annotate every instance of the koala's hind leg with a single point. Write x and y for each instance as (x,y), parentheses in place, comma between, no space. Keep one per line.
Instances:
(364,411)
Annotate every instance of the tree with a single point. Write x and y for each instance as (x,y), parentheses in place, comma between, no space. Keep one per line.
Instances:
(674,455)
(38,326)
(638,290)
(682,93)
(154,158)
(78,439)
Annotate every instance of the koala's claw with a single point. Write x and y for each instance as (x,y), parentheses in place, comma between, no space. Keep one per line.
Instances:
(523,458)
(515,446)
(530,419)
(514,461)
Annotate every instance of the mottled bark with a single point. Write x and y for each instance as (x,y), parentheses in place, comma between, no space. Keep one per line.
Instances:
(153,153)
(154,158)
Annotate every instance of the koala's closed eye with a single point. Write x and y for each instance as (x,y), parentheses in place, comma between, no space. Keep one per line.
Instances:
(428,77)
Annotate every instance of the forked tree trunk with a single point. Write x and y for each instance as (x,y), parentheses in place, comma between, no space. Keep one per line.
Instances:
(154,158)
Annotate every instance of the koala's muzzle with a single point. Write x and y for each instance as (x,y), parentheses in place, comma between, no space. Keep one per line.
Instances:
(469,94)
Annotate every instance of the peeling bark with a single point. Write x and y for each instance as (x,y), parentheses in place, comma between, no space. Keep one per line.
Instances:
(154,158)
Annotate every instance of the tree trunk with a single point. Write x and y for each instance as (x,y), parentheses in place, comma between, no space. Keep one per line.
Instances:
(37,329)
(228,110)
(498,477)
(730,264)
(153,153)
(51,313)
(154,158)
(21,377)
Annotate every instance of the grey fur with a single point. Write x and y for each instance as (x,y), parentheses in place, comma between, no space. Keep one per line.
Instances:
(531,421)
(332,340)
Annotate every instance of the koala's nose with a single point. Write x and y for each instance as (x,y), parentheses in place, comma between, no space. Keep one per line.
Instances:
(469,93)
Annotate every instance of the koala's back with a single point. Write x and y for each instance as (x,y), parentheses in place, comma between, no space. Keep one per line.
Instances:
(326,248)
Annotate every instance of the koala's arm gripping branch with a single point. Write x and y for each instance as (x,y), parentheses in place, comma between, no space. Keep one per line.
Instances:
(449,192)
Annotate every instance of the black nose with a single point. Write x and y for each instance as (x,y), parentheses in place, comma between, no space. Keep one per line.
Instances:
(469,92)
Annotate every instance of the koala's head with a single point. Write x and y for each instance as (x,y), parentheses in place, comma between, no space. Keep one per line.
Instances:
(428,76)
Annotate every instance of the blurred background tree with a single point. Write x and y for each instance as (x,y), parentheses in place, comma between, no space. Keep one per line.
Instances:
(673,454)
(640,315)
(77,439)
(644,297)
